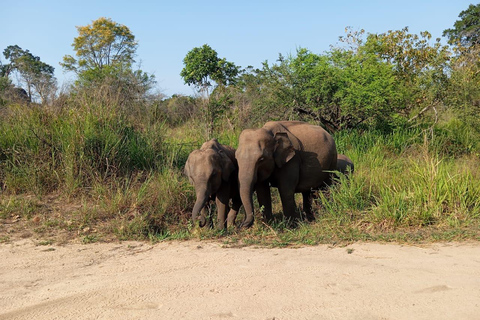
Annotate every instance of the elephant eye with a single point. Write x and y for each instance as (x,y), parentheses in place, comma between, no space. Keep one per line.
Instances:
(261,159)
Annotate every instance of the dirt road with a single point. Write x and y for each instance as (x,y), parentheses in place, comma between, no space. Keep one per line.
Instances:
(202,280)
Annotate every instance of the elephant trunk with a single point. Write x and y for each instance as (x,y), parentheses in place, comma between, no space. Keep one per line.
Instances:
(246,186)
(202,198)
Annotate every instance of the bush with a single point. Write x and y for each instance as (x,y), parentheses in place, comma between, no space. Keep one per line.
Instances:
(45,150)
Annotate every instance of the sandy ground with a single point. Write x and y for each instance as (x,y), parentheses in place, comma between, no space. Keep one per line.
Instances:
(203,280)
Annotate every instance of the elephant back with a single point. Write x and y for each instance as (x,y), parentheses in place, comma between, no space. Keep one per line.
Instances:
(313,142)
(219,148)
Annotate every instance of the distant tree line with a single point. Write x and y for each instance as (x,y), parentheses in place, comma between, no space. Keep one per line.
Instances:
(386,79)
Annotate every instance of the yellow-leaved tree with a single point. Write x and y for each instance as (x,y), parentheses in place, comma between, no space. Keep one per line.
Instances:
(100,44)
(104,58)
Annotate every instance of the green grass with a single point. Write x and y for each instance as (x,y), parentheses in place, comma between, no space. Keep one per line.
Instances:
(97,173)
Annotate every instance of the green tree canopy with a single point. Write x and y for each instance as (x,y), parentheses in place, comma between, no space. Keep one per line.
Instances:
(466,31)
(340,89)
(35,75)
(421,67)
(202,66)
(367,79)
(205,70)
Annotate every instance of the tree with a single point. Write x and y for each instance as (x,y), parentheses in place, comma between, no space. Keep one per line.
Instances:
(35,75)
(421,67)
(466,31)
(463,93)
(103,43)
(104,61)
(367,79)
(205,70)
(202,66)
(464,82)
(340,89)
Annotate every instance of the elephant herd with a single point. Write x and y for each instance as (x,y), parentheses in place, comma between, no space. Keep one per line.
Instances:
(293,156)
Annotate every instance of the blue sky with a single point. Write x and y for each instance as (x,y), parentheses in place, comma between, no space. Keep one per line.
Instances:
(244,32)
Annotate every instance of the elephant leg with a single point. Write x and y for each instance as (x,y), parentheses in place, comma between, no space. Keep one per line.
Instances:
(288,204)
(307,205)
(232,214)
(222,200)
(265,199)
(287,179)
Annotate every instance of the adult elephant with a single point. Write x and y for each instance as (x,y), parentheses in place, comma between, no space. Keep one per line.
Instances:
(294,156)
(212,169)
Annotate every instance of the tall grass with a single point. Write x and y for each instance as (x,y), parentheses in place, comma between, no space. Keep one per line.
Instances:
(404,180)
(44,150)
(121,171)
(121,168)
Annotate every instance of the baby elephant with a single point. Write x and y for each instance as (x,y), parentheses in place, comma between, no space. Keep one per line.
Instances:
(213,170)
(344,164)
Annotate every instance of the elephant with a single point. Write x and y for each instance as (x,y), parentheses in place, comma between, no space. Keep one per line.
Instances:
(294,156)
(213,171)
(345,164)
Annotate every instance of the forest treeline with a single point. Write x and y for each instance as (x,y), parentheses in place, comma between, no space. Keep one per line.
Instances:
(405,107)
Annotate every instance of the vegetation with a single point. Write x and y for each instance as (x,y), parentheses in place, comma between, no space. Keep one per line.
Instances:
(35,76)
(105,161)
(101,44)
(466,31)
(105,52)
(202,67)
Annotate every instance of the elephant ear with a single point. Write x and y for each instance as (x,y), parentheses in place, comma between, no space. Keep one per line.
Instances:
(284,150)
(227,165)
(189,169)
(186,170)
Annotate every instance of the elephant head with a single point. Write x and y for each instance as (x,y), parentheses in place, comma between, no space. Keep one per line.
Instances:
(206,168)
